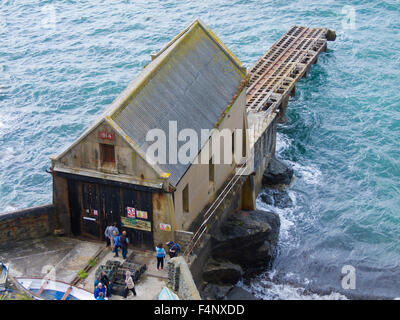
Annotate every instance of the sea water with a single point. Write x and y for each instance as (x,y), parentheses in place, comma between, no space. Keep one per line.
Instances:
(63,62)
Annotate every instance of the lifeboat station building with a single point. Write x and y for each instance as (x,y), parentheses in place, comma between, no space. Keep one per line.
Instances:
(104,176)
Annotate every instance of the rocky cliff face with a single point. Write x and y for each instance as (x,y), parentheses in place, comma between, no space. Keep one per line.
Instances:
(277,173)
(242,246)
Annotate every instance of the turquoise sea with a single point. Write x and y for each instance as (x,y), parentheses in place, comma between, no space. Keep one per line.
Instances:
(62,62)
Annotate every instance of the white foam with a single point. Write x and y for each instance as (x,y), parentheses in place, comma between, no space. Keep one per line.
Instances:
(268,290)
(283,142)
(285,216)
(6,154)
(310,174)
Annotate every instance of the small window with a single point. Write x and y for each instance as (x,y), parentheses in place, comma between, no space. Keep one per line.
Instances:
(211,171)
(185,198)
(233,142)
(244,138)
(108,155)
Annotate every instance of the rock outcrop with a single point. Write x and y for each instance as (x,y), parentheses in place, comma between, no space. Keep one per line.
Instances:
(242,246)
(225,292)
(222,272)
(277,173)
(247,238)
(276,197)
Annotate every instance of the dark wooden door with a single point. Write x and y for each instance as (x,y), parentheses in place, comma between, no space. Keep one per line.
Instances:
(111,210)
(94,206)
(91,215)
(141,202)
(74,207)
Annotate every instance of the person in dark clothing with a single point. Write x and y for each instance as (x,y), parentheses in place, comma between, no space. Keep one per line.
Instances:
(106,283)
(172,249)
(123,239)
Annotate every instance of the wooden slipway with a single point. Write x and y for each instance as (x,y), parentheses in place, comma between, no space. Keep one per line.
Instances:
(275,74)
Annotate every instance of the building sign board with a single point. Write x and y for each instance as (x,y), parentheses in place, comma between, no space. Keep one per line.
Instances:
(131,212)
(105,135)
(141,214)
(165,227)
(136,224)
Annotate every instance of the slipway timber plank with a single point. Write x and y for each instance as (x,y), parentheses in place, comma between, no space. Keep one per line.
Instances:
(273,77)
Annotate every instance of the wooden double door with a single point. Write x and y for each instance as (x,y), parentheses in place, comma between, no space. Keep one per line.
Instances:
(94,206)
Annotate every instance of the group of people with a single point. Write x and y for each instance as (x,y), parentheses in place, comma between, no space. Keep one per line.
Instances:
(116,241)
(173,251)
(102,286)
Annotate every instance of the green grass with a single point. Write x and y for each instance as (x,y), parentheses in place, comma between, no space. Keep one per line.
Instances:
(92,262)
(82,274)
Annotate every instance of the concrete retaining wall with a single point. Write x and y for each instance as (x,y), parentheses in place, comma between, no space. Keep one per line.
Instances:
(183,238)
(35,222)
(180,279)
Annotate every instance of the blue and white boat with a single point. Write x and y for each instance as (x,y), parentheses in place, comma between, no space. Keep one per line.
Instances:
(42,289)
(167,294)
(3,276)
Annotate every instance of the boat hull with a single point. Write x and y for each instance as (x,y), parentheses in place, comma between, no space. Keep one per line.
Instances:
(3,276)
(43,289)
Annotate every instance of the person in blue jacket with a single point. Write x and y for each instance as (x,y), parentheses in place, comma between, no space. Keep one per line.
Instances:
(100,296)
(97,280)
(99,288)
(117,244)
(160,252)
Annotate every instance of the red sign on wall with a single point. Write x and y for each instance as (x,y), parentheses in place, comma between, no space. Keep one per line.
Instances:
(131,212)
(105,135)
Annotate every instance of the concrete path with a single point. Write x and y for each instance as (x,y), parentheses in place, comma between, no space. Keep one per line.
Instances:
(150,283)
(58,258)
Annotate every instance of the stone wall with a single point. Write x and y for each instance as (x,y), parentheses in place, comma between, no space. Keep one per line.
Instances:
(180,279)
(183,238)
(35,222)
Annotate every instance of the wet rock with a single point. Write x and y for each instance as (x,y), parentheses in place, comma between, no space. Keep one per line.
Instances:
(277,173)
(247,238)
(222,272)
(215,292)
(237,293)
(277,198)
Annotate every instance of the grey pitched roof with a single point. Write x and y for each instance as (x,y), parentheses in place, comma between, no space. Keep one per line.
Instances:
(193,82)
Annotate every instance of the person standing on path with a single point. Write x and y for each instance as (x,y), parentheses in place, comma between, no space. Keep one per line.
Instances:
(129,284)
(97,280)
(160,252)
(100,296)
(117,243)
(109,234)
(106,283)
(99,288)
(172,249)
(124,244)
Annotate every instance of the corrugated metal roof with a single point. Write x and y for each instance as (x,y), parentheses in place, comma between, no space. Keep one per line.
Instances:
(192,81)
